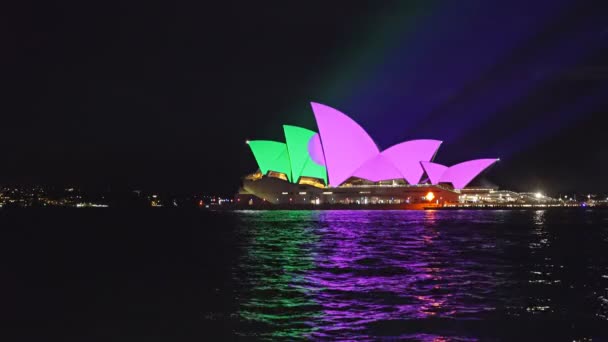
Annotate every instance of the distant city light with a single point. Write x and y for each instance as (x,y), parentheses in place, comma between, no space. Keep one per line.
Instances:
(430,196)
(538,195)
(91,205)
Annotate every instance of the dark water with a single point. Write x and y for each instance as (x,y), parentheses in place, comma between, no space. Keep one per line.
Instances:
(170,275)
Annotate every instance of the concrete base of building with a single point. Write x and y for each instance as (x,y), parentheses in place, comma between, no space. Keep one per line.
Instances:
(269,192)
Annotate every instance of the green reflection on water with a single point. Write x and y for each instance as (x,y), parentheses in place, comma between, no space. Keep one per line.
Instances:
(278,254)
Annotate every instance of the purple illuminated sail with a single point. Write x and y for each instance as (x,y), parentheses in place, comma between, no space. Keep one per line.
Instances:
(462,174)
(407,156)
(377,169)
(315,150)
(434,171)
(346,145)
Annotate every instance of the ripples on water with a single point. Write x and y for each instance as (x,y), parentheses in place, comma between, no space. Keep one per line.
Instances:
(184,275)
(424,275)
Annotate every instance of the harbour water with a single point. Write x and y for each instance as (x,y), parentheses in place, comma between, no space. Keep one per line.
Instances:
(167,275)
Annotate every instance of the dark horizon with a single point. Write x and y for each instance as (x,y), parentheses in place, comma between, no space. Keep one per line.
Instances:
(163,98)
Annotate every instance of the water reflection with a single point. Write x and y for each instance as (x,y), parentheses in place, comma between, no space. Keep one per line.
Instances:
(278,254)
(390,268)
(343,274)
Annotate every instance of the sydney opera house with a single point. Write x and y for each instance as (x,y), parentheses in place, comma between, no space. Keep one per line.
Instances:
(341,164)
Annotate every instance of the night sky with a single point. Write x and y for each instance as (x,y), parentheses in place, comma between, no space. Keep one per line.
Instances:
(164,97)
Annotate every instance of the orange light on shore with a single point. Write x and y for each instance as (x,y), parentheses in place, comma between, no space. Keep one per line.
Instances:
(430,196)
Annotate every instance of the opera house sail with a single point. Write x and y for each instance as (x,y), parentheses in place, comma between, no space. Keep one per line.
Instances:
(341,164)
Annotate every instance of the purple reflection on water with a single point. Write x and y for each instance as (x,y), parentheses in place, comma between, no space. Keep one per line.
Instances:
(367,273)
(422,275)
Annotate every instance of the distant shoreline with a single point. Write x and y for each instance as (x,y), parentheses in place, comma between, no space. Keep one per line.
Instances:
(227,208)
(519,208)
(396,207)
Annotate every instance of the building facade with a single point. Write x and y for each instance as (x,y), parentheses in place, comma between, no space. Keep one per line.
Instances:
(341,165)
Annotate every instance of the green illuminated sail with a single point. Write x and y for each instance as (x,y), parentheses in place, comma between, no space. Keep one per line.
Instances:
(297,139)
(312,169)
(271,156)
